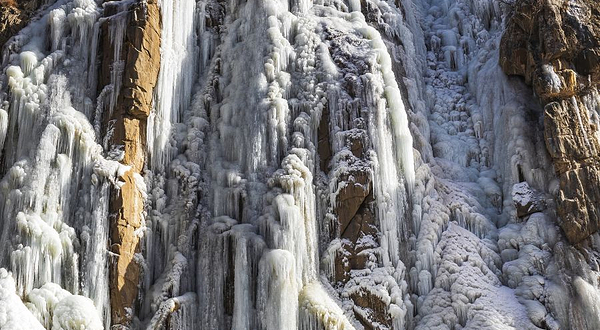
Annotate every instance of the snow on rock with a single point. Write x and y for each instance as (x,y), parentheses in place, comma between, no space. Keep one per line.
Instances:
(526,200)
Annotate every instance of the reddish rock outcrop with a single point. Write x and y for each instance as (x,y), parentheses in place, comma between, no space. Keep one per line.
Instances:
(555,46)
(368,308)
(358,230)
(141,54)
(14,15)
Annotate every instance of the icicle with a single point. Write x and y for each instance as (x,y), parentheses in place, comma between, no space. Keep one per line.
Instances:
(278,291)
(3,128)
(177,71)
(56,20)
(28,62)
(319,311)
(117,25)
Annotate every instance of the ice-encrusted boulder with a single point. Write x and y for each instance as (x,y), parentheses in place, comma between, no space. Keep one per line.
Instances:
(526,199)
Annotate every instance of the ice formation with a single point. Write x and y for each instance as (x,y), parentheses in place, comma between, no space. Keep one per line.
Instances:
(242,227)
(54,190)
(13,313)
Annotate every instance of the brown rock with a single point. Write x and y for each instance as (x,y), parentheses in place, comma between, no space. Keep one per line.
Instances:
(351,196)
(14,15)
(578,202)
(356,219)
(141,54)
(568,133)
(351,255)
(555,46)
(374,310)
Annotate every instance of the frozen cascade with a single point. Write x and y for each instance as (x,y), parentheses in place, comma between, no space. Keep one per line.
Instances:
(174,88)
(54,190)
(312,164)
(244,185)
(278,291)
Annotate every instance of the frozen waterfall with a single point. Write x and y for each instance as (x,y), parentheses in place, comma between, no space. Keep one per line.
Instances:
(307,164)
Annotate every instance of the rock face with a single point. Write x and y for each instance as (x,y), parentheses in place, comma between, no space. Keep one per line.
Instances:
(141,52)
(358,226)
(14,15)
(555,46)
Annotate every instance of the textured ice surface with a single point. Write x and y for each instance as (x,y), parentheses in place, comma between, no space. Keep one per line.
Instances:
(55,178)
(48,307)
(14,315)
(240,221)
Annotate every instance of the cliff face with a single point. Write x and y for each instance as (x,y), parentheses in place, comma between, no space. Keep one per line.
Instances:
(555,46)
(14,15)
(284,165)
(131,78)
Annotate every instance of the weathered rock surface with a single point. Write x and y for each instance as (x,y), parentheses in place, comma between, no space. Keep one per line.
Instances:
(369,307)
(555,46)
(141,53)
(358,227)
(14,15)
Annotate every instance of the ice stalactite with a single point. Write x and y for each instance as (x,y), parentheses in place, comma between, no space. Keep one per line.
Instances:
(236,249)
(174,88)
(117,25)
(278,291)
(293,228)
(283,188)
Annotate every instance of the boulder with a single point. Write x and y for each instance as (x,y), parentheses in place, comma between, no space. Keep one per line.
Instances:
(527,200)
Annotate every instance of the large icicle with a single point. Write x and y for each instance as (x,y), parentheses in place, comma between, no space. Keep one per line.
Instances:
(177,72)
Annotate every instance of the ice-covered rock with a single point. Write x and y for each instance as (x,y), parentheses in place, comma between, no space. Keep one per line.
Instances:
(526,199)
